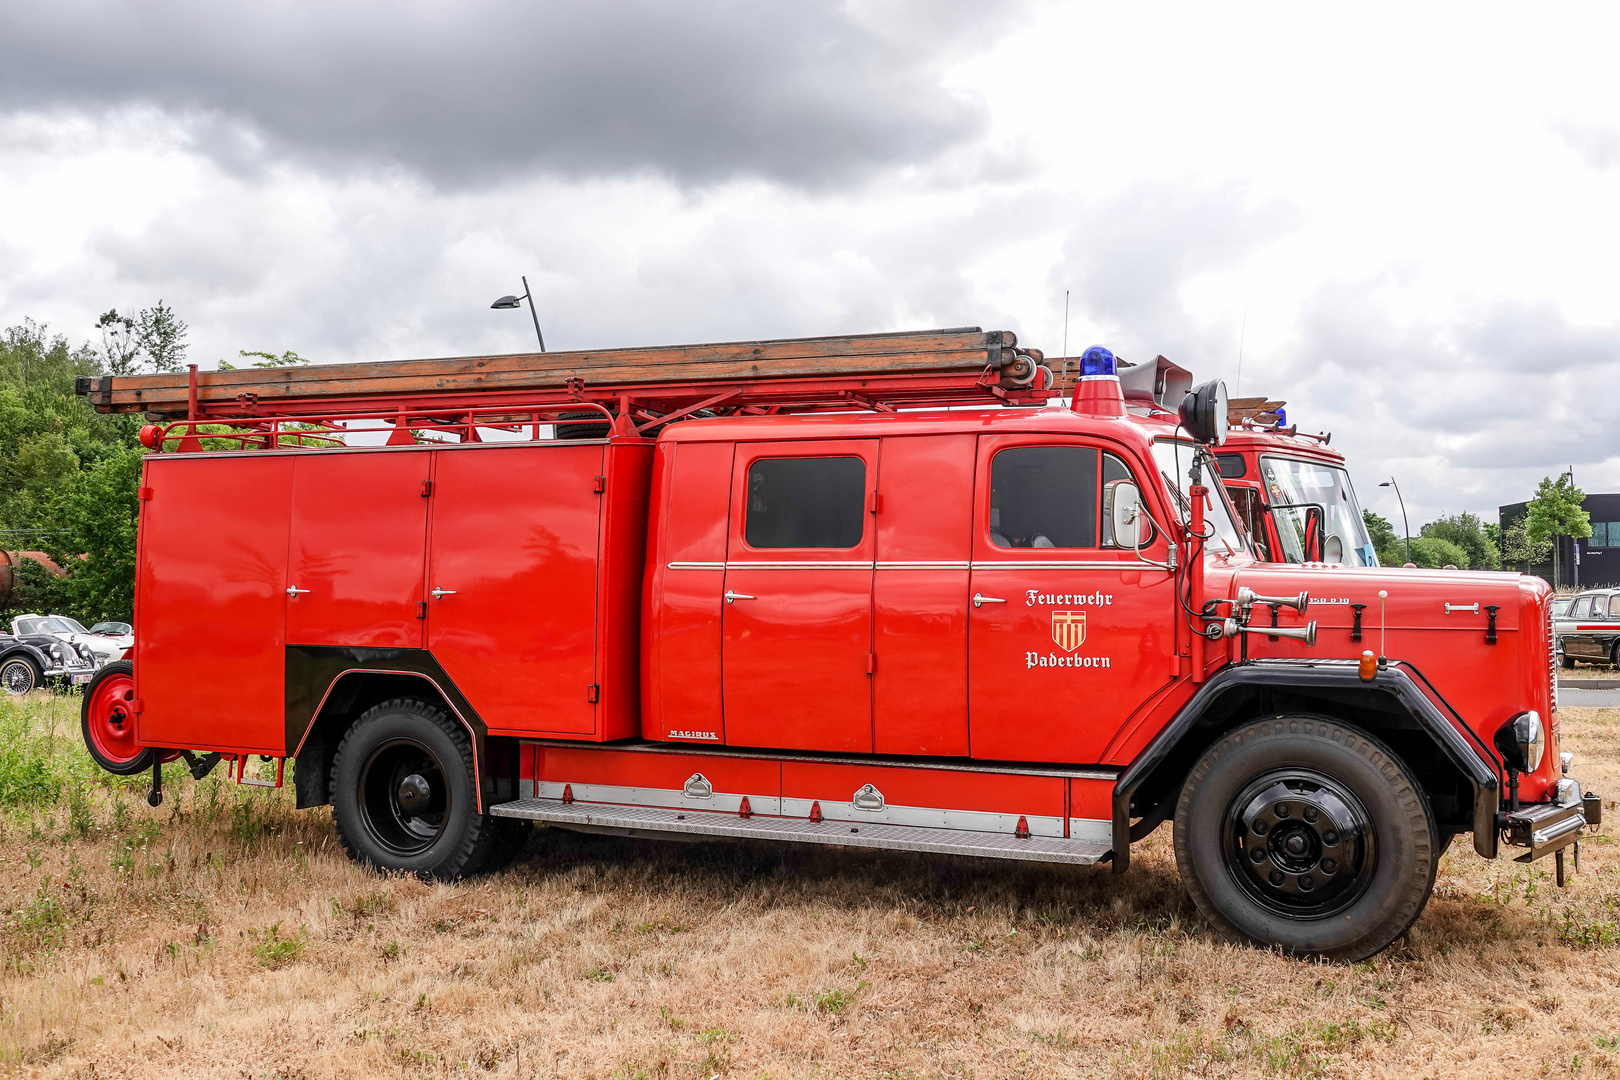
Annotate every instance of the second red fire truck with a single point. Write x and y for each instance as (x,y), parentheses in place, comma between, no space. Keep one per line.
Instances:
(795,591)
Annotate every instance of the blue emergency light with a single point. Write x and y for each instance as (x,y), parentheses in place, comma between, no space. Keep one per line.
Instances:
(1096,361)
(1282,417)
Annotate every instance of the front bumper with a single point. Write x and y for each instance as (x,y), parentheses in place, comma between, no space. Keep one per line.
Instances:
(75,674)
(1546,828)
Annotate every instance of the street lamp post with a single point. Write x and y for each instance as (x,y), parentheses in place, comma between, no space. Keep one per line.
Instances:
(1405,525)
(507,302)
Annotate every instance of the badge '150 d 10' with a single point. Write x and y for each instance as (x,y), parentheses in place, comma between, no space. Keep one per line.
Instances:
(766,590)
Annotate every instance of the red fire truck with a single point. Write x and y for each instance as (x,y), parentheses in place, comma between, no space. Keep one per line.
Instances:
(876,591)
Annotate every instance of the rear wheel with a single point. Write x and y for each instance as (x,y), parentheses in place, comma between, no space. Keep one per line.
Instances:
(107,721)
(1305,834)
(18,675)
(403,794)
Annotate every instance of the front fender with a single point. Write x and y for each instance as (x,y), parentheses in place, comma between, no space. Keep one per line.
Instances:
(1411,693)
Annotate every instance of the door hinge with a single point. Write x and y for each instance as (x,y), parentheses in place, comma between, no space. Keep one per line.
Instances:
(873,501)
(427,488)
(137,706)
(421,609)
(593,692)
(599,485)
(144,492)
(871,663)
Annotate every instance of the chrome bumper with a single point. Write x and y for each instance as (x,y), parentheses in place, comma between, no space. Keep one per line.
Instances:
(1547,828)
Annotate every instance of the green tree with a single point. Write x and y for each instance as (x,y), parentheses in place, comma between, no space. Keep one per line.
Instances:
(1433,553)
(1517,550)
(1468,532)
(153,340)
(1556,511)
(266,360)
(1386,544)
(95,536)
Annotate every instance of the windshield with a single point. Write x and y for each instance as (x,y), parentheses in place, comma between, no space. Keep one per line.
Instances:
(1175,460)
(1293,486)
(73,625)
(1560,606)
(53,625)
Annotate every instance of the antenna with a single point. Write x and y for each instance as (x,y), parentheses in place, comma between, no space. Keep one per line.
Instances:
(1242,333)
(1065,322)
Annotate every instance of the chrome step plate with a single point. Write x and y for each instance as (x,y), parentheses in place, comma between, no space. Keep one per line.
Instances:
(638,820)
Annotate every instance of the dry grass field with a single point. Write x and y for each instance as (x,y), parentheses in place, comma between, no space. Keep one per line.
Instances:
(223,935)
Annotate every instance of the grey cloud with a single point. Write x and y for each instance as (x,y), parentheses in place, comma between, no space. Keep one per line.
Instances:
(1128,258)
(467,94)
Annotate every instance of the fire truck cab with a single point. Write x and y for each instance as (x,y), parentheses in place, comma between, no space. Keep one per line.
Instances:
(817,608)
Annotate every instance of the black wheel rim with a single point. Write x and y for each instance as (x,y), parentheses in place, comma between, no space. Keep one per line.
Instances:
(1300,843)
(16,677)
(405,798)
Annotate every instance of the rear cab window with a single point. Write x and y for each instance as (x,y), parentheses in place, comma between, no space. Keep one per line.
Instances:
(806,502)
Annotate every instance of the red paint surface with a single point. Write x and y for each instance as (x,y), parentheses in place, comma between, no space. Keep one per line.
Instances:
(920,612)
(794,668)
(358,538)
(210,602)
(515,536)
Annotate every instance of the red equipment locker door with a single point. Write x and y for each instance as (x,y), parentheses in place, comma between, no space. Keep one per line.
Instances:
(512,604)
(796,628)
(1067,634)
(359,536)
(209,609)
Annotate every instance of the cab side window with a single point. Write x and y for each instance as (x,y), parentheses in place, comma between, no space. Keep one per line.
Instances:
(1600,608)
(1582,608)
(1614,606)
(806,502)
(1044,497)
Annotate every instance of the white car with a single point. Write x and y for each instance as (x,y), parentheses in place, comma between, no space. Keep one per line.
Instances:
(102,648)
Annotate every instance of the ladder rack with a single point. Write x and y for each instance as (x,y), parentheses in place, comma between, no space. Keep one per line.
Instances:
(637,388)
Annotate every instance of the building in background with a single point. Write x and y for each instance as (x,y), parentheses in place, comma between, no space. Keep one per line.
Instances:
(1589,562)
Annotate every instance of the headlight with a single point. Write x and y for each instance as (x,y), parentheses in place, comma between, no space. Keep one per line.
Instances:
(1522,741)
(56,651)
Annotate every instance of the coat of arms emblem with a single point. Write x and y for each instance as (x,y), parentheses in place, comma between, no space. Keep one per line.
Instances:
(1068,629)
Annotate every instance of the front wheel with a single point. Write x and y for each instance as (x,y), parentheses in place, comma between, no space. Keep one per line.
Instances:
(403,793)
(18,675)
(1302,833)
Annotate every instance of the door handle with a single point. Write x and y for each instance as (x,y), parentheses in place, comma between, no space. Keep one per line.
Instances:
(980,601)
(438,593)
(293,590)
(731,596)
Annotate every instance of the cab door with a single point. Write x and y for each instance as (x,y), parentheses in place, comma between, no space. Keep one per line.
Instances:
(1069,632)
(796,622)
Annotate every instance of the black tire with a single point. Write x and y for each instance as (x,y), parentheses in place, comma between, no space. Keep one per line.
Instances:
(1308,835)
(1614,656)
(403,793)
(1564,659)
(511,835)
(19,674)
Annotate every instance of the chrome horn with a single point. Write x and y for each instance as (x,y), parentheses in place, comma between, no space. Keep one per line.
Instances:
(1247,598)
(1232,628)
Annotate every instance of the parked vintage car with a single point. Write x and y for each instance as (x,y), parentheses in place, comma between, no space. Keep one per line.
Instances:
(103,647)
(1589,629)
(29,658)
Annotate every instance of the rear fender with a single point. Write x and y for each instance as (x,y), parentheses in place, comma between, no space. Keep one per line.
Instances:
(1397,705)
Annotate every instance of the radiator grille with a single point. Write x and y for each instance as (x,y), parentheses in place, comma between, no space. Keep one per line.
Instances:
(1552,679)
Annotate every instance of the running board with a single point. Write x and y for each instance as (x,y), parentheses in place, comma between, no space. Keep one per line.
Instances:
(649,822)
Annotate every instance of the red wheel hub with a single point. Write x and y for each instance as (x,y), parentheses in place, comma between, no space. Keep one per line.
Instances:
(112,718)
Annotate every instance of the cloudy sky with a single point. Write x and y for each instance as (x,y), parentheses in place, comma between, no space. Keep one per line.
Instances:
(1405,219)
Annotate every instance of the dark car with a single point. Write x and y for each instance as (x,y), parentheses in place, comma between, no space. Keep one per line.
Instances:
(28,661)
(1590,629)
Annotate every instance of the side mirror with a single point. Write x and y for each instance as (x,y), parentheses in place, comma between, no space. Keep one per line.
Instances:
(1203,413)
(1131,525)
(1315,535)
